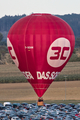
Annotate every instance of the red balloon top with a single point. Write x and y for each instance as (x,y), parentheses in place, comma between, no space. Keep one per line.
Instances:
(40,45)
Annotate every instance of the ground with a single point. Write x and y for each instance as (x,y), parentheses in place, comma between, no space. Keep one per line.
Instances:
(69,90)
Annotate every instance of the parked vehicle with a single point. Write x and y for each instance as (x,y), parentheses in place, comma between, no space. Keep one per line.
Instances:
(7,104)
(26,111)
(15,118)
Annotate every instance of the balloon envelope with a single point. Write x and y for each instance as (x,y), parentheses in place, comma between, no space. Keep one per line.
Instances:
(40,45)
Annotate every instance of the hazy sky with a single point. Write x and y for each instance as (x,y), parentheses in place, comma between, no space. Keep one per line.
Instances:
(19,7)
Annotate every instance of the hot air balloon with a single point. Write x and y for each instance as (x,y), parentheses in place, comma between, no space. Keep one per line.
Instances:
(40,45)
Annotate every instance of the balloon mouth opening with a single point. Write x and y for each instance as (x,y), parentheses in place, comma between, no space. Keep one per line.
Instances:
(39,14)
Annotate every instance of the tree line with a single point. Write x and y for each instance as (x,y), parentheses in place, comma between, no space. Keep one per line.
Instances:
(72,19)
(7,21)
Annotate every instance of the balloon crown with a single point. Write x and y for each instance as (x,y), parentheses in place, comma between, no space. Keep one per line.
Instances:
(40,14)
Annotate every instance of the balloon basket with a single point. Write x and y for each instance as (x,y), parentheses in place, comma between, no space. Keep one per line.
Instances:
(40,102)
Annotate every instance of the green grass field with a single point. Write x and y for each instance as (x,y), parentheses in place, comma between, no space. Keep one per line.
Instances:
(71,68)
(10,73)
